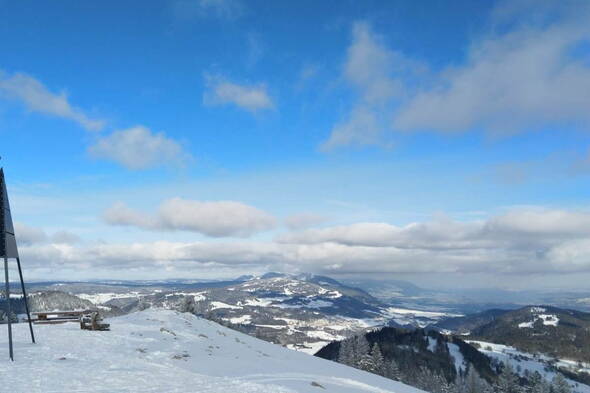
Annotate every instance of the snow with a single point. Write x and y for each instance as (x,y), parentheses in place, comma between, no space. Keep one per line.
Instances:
(309,348)
(100,298)
(525,361)
(258,302)
(244,319)
(198,296)
(535,310)
(420,313)
(548,320)
(159,350)
(216,305)
(278,327)
(328,293)
(431,344)
(322,335)
(455,352)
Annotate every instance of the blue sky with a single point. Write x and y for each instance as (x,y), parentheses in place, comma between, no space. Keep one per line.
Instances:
(398,139)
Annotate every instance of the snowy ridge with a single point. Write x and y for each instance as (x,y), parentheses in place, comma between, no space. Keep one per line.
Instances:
(160,350)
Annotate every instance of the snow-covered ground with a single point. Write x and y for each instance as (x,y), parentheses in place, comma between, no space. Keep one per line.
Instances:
(522,361)
(162,351)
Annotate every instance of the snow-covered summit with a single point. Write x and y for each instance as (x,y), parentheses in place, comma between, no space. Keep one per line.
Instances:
(165,351)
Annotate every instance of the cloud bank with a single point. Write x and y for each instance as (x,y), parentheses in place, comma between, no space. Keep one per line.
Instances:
(518,242)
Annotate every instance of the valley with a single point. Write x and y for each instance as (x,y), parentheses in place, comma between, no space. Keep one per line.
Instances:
(311,314)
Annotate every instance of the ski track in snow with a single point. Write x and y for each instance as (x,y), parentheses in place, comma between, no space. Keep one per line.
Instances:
(162,351)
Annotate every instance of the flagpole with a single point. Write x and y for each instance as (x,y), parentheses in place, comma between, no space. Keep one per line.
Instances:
(22,285)
(8,308)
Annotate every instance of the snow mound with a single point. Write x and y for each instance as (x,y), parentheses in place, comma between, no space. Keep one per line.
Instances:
(160,351)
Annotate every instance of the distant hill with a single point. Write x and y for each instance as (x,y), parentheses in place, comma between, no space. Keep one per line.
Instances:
(441,363)
(418,352)
(549,330)
(465,324)
(553,331)
(303,311)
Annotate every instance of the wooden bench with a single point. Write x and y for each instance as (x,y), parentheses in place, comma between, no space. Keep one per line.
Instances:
(53,317)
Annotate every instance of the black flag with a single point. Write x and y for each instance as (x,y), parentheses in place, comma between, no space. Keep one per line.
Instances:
(8,247)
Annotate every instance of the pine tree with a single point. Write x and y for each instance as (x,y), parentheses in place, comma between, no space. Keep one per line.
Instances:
(538,384)
(377,360)
(361,345)
(560,384)
(346,353)
(433,382)
(472,383)
(393,371)
(362,356)
(508,381)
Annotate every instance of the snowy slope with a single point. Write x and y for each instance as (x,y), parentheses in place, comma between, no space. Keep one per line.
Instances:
(165,351)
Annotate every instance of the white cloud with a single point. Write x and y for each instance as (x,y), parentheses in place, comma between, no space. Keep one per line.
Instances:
(529,72)
(377,74)
(121,214)
(361,128)
(526,78)
(27,235)
(304,220)
(65,237)
(38,98)
(370,64)
(224,9)
(215,219)
(139,148)
(252,98)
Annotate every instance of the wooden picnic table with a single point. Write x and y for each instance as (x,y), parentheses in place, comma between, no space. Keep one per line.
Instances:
(51,317)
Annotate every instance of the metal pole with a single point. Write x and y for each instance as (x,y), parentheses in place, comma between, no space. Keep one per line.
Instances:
(8,308)
(22,285)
